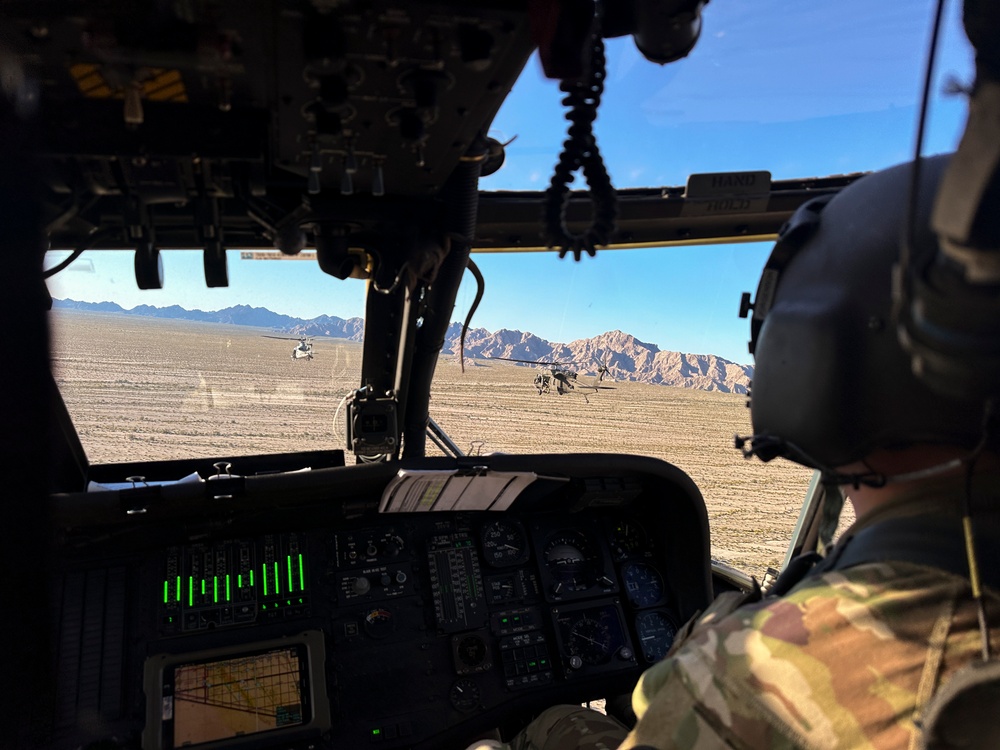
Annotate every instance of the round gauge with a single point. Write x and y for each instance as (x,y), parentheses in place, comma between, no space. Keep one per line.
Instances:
(379,622)
(464,695)
(591,640)
(656,633)
(572,561)
(627,539)
(471,651)
(643,585)
(504,543)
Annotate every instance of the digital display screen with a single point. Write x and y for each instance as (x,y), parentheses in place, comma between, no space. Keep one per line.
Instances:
(238,696)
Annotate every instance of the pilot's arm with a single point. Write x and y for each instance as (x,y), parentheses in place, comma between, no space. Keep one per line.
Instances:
(695,697)
(682,707)
(845,659)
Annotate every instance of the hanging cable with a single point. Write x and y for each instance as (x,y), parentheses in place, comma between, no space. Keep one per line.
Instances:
(914,192)
(83,246)
(580,152)
(480,288)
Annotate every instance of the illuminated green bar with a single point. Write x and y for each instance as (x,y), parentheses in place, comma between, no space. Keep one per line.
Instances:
(239,581)
(215,589)
(264,570)
(277,581)
(251,578)
(228,597)
(203,587)
(290,584)
(302,576)
(178,589)
(166,592)
(190,591)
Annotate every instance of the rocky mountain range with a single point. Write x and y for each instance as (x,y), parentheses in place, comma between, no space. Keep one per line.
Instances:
(626,357)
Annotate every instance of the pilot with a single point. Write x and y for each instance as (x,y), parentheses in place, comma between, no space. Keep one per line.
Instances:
(861,649)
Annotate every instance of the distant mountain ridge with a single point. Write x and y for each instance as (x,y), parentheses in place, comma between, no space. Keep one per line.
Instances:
(627,357)
(240,315)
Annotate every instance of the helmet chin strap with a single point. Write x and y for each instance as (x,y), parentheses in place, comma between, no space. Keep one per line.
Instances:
(767,447)
(870,478)
(930,471)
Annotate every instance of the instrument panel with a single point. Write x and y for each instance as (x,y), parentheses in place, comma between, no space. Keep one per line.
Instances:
(385,630)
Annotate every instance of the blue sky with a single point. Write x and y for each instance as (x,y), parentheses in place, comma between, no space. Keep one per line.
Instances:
(796,87)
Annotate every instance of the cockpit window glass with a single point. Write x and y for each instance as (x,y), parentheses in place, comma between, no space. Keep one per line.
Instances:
(187,371)
(807,103)
(633,351)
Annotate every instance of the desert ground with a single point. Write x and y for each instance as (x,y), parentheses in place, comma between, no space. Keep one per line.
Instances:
(143,388)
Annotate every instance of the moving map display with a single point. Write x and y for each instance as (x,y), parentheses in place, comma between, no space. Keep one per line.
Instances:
(243,695)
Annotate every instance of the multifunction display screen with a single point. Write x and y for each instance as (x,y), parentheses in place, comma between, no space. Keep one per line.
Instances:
(238,696)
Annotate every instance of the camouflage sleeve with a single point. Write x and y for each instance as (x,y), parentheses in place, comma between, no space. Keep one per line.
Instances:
(844,660)
(681,704)
(682,711)
(847,659)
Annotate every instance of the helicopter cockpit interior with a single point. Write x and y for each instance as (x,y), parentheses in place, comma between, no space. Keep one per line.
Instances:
(401,593)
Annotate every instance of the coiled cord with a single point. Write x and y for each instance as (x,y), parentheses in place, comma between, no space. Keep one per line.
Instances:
(580,151)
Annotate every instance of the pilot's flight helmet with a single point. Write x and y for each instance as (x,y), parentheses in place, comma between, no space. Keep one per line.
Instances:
(831,379)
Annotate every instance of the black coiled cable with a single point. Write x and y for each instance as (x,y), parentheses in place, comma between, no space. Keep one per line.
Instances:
(580,151)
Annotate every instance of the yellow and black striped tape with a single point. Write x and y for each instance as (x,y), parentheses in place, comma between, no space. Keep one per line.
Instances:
(158,84)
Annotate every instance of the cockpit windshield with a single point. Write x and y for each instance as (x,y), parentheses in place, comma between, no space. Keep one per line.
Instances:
(636,350)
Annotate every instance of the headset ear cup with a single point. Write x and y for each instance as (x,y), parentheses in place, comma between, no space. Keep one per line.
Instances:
(951,330)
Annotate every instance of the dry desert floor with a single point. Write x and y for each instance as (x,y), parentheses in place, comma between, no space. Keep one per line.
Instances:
(146,389)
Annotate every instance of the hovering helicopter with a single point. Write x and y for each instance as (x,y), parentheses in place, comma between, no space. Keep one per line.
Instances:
(303,351)
(564,379)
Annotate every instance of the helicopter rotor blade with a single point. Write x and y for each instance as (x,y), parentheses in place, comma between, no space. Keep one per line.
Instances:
(289,338)
(602,368)
(542,362)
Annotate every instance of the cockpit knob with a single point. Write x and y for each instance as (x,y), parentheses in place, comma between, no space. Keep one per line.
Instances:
(386,579)
(361,586)
(575,662)
(400,576)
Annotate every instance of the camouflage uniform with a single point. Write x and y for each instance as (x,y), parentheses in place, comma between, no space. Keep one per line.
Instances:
(846,659)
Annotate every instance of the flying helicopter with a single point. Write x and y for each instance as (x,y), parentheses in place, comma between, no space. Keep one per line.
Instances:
(303,351)
(142,130)
(560,376)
